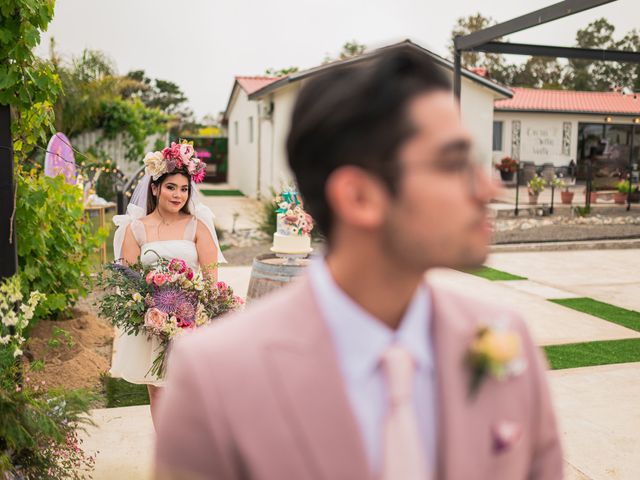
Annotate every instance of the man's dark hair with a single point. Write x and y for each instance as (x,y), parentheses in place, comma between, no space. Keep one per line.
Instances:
(356,114)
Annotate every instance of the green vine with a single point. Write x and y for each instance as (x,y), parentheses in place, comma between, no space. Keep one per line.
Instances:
(29,85)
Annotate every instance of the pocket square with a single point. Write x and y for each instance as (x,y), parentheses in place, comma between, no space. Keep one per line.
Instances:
(505,435)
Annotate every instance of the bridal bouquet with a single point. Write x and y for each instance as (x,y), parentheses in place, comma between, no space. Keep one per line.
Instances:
(163,300)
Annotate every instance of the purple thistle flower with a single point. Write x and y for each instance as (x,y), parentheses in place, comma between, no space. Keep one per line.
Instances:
(174,301)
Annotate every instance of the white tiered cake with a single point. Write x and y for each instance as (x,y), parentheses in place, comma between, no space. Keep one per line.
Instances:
(294,226)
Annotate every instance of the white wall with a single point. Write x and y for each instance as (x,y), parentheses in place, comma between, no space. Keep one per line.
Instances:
(280,174)
(476,104)
(273,171)
(243,172)
(541,135)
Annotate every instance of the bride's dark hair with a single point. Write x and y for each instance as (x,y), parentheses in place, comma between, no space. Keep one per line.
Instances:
(152,201)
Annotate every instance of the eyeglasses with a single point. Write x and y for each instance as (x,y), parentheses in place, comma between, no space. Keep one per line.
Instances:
(469,170)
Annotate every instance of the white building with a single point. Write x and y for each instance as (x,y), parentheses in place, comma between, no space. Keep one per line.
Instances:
(558,126)
(259,110)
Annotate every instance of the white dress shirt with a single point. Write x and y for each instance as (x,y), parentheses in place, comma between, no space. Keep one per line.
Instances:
(360,340)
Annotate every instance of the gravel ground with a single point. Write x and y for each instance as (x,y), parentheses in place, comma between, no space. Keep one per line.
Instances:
(564,233)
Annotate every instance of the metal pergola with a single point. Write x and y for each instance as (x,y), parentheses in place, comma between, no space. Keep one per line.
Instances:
(485,41)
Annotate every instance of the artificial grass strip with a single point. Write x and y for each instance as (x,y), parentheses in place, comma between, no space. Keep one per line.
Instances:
(591,354)
(121,393)
(221,193)
(494,275)
(606,311)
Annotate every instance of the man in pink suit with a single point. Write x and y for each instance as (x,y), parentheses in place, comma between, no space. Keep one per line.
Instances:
(361,369)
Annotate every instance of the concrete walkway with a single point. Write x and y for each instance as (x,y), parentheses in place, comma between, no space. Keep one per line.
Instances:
(596,406)
(232,212)
(549,323)
(598,413)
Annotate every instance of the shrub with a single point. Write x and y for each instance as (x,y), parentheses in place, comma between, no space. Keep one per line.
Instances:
(536,185)
(54,241)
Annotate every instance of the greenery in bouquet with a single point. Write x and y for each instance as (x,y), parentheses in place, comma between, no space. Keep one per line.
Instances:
(163,300)
(38,427)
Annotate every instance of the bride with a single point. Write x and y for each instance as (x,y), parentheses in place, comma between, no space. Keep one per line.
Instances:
(164,218)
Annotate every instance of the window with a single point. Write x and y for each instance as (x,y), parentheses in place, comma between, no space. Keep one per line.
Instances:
(497,136)
(250,129)
(235,133)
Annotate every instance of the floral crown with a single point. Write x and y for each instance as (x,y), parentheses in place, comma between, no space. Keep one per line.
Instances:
(178,155)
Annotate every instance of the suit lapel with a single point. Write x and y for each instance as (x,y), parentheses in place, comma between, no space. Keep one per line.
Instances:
(452,334)
(310,389)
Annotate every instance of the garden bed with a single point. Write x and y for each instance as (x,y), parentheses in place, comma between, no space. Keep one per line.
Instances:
(76,351)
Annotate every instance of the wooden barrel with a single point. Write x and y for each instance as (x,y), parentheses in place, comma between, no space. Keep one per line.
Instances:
(269,273)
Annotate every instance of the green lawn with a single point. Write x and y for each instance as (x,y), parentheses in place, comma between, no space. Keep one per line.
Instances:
(593,353)
(494,275)
(121,393)
(221,193)
(606,311)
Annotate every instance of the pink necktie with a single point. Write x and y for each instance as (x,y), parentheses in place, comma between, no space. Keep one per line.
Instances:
(404,454)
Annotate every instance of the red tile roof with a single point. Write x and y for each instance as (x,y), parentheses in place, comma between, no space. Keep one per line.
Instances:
(534,99)
(253,84)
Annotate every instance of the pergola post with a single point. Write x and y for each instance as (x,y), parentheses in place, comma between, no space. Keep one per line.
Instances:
(8,250)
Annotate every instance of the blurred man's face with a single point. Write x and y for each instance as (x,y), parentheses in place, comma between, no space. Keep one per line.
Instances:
(438,216)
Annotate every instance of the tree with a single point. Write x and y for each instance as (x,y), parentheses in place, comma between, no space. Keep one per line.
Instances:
(352,49)
(164,95)
(496,65)
(602,76)
(538,72)
(272,72)
(349,50)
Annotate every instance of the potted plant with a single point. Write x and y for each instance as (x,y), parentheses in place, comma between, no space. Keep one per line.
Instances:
(623,186)
(535,187)
(566,195)
(507,167)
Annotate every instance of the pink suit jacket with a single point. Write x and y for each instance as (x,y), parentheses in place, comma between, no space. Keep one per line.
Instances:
(259,396)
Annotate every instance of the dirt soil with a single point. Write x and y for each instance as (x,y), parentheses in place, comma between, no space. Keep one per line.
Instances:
(81,357)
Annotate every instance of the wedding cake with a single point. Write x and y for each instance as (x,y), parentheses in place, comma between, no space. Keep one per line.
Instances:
(294,225)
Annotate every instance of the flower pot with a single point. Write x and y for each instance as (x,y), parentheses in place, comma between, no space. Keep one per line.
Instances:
(594,197)
(506,176)
(567,197)
(620,198)
(533,198)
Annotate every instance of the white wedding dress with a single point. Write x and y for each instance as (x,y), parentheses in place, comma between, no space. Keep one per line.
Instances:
(133,355)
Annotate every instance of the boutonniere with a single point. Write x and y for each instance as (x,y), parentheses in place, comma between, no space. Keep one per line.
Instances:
(496,352)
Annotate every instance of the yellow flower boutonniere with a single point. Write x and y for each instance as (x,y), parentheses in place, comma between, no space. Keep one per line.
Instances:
(496,352)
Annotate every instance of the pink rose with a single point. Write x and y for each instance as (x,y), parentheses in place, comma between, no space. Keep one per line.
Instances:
(221,286)
(189,274)
(155,319)
(160,279)
(149,278)
(177,265)
(185,152)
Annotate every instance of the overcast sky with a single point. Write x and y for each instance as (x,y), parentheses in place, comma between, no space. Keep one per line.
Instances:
(202,44)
